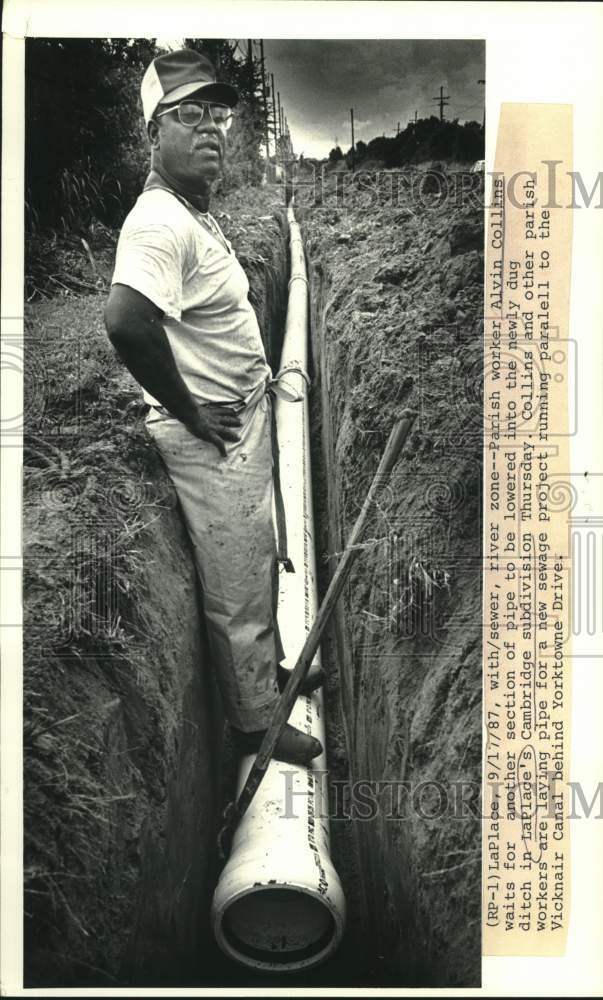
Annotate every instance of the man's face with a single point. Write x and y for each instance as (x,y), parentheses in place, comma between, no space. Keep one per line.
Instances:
(193,156)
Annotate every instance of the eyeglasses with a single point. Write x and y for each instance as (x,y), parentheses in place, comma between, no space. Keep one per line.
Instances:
(192,114)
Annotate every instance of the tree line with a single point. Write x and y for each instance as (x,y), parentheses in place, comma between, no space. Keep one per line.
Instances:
(425,139)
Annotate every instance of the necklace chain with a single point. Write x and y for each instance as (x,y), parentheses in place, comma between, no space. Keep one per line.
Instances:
(205,218)
(209,220)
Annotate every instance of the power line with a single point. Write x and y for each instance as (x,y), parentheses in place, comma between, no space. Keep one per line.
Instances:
(265,99)
(468,107)
(274,118)
(275,124)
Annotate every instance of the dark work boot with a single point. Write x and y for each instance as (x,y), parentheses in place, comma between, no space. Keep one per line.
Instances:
(294,747)
(313,679)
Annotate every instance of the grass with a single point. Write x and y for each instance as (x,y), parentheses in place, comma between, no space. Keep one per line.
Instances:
(90,472)
(62,263)
(87,195)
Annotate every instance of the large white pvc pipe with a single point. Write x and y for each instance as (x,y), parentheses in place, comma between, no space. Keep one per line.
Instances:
(279,904)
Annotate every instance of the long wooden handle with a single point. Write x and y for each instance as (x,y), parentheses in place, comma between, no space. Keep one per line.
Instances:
(287,700)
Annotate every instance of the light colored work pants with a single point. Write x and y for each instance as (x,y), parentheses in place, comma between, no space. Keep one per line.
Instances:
(227,506)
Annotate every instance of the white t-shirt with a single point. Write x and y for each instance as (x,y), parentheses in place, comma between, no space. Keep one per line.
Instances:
(171,258)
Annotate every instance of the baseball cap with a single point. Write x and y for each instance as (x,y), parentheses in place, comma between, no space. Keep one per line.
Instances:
(175,75)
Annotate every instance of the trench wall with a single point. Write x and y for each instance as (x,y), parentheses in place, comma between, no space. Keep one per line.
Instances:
(396,302)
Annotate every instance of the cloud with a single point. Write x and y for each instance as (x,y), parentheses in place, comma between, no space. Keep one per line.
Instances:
(384,80)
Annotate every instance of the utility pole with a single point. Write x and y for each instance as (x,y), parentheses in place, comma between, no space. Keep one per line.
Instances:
(442,100)
(484,114)
(280,125)
(398,129)
(250,64)
(274,121)
(289,143)
(353,143)
(265,100)
(413,121)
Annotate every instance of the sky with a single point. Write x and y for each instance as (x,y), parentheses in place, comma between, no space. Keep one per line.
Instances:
(385,81)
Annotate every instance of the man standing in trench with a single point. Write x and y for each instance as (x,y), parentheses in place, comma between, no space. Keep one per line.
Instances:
(179,317)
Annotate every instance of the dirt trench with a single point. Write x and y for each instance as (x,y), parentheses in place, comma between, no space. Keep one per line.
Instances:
(122,870)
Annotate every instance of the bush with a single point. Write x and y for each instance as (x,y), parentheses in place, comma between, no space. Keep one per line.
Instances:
(84,131)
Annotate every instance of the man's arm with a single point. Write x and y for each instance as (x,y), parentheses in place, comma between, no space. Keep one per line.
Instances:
(134,326)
